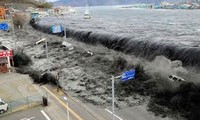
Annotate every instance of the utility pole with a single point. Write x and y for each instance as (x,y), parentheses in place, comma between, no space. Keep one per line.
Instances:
(47,54)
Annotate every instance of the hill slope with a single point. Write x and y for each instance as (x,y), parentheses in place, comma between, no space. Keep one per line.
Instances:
(18,1)
(23,4)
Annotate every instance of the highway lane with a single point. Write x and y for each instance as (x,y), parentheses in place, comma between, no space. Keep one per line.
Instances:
(88,111)
(129,113)
(30,114)
(57,110)
(138,113)
(76,111)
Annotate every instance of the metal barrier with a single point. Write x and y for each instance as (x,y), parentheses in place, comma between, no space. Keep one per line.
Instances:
(23,103)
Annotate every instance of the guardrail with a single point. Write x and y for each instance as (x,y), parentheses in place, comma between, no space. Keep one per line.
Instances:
(23,103)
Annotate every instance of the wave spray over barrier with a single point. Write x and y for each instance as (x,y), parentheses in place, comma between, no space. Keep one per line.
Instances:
(189,56)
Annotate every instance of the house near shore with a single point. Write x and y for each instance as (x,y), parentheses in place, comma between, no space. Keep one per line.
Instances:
(30,9)
(62,10)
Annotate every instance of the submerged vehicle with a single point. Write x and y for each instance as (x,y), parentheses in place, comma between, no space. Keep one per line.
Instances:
(175,78)
(3,106)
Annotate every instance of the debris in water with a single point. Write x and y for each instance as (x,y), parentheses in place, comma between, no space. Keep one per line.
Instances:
(21,59)
(68,45)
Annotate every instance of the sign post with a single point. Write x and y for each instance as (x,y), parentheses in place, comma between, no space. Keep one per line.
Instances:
(113,97)
(47,54)
(127,75)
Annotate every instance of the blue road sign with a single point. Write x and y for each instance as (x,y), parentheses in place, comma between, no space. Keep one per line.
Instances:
(56,28)
(128,75)
(35,16)
(4,26)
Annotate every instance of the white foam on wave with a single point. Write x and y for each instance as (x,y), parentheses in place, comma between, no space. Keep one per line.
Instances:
(198,29)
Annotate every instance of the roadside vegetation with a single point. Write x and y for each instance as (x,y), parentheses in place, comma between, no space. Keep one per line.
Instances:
(17,1)
(44,5)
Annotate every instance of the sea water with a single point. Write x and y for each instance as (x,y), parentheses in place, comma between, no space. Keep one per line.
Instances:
(180,27)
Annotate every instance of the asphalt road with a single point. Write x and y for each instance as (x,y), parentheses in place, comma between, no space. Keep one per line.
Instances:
(57,110)
(90,112)
(31,114)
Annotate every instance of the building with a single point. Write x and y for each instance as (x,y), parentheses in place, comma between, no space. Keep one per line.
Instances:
(3,12)
(6,59)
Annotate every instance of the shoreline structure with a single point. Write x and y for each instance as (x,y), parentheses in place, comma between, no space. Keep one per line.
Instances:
(167,5)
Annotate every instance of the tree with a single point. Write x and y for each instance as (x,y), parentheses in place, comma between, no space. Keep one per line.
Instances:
(45,5)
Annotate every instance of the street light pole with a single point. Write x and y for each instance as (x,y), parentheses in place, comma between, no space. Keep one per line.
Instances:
(113,97)
(124,77)
(47,54)
(57,81)
(13,28)
(64,38)
(65,98)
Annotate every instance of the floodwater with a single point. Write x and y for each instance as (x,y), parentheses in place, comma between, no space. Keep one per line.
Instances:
(145,33)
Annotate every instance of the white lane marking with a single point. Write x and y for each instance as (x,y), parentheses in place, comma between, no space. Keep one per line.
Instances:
(28,118)
(114,115)
(45,115)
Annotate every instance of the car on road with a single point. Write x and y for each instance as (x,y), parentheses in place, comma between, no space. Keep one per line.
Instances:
(3,106)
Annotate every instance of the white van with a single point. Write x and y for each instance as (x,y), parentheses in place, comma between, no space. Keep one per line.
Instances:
(3,106)
(176,78)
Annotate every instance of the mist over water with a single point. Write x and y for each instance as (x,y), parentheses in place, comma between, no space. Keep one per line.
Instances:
(143,32)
